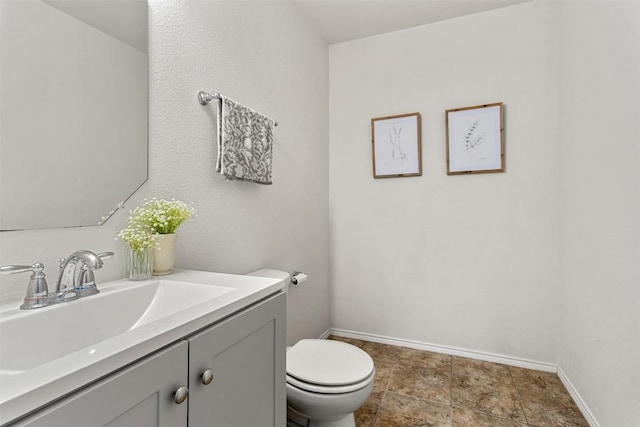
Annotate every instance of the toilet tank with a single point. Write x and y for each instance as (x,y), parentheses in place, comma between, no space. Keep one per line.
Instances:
(273,274)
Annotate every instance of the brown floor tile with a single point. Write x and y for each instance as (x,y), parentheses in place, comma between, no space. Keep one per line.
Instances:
(406,411)
(547,409)
(428,384)
(501,400)
(375,397)
(477,371)
(463,417)
(366,414)
(381,351)
(547,381)
(424,359)
(384,371)
(415,388)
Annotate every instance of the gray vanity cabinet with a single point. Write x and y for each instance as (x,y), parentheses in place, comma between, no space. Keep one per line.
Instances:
(137,396)
(245,353)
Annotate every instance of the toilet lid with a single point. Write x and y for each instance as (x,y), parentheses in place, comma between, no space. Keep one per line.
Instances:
(329,363)
(329,389)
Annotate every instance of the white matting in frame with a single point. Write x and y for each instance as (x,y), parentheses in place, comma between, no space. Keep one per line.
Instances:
(475,139)
(396,146)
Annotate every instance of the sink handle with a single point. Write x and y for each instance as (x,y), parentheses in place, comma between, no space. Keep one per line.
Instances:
(86,282)
(37,291)
(13,269)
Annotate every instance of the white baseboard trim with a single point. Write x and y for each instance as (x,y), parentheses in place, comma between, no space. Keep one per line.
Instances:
(453,351)
(582,405)
(325,334)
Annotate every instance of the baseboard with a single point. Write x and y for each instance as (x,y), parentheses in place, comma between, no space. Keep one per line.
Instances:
(582,405)
(453,351)
(325,334)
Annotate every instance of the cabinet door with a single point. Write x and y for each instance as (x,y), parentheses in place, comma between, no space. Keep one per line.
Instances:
(140,396)
(247,356)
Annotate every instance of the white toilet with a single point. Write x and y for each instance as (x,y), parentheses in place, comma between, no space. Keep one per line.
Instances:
(326,380)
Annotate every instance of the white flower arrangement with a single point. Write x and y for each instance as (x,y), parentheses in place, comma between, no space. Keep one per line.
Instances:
(138,238)
(154,217)
(161,216)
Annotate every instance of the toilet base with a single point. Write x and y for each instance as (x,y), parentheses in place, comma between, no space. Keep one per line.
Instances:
(297,419)
(347,421)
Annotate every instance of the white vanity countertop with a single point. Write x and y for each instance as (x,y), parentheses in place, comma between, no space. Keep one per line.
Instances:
(24,390)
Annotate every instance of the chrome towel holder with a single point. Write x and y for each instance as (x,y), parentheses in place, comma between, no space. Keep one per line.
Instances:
(204,98)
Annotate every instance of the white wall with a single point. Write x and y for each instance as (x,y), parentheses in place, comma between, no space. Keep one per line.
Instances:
(259,53)
(541,262)
(599,346)
(464,261)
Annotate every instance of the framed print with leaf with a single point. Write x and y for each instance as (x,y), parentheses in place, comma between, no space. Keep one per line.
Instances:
(396,146)
(475,139)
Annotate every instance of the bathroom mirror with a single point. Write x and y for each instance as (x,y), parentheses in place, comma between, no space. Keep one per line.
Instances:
(73,110)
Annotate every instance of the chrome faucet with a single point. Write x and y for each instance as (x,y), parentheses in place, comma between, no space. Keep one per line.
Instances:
(75,279)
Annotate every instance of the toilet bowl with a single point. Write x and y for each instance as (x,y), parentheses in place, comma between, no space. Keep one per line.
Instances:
(327,381)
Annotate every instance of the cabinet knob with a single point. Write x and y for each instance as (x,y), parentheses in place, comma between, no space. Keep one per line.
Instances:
(207,377)
(181,394)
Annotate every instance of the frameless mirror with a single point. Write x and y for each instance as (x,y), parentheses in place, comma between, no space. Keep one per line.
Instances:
(73,110)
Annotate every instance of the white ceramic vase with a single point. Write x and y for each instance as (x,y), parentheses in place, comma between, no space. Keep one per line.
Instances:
(164,254)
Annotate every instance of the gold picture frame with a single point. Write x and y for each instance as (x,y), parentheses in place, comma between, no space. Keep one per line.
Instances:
(475,139)
(396,146)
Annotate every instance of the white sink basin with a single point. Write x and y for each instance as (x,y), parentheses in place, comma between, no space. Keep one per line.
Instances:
(48,352)
(32,338)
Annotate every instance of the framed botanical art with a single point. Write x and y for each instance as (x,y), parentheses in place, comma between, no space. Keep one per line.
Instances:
(396,146)
(475,139)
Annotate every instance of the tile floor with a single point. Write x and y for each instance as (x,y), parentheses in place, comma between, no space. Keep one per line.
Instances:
(419,388)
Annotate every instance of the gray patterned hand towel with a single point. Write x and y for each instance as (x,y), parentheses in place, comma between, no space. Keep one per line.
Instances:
(245,143)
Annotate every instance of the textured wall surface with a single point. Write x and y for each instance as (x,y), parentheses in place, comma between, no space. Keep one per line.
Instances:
(465,261)
(599,345)
(264,55)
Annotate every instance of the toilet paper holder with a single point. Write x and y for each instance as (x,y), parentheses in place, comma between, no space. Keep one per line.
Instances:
(298,277)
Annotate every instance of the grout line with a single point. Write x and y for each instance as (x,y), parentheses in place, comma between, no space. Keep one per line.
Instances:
(519,397)
(431,402)
(451,386)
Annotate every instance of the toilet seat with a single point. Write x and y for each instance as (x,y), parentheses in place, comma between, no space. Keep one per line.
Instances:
(314,388)
(328,367)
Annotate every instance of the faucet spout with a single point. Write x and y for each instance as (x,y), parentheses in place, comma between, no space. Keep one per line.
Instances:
(74,266)
(91,260)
